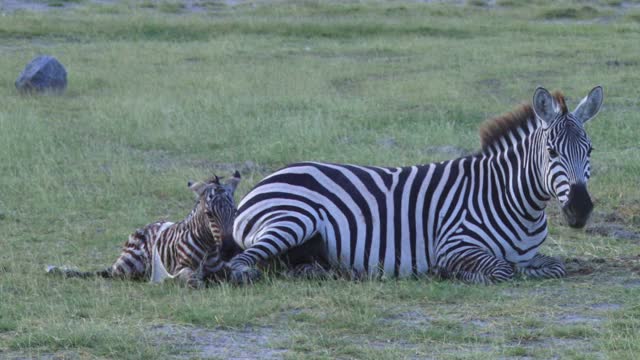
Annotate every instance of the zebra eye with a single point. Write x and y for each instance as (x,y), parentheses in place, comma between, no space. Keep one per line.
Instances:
(552,152)
(589,151)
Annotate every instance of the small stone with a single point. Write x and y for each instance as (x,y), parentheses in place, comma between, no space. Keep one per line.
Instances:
(44,73)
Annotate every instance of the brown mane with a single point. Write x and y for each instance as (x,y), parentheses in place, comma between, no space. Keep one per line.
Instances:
(560,100)
(496,128)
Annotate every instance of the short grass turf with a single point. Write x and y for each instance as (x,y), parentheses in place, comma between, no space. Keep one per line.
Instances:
(161,92)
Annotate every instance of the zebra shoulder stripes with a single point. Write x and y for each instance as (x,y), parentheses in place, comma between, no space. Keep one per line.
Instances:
(479,218)
(189,249)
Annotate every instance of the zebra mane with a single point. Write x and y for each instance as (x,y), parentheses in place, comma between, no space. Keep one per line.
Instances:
(494,129)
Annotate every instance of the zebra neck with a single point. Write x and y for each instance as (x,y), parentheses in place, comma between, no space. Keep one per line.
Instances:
(197,224)
(515,170)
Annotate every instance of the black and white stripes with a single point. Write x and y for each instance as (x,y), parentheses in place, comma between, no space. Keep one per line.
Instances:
(479,218)
(189,250)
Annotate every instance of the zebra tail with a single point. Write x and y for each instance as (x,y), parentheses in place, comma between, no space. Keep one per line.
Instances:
(75,273)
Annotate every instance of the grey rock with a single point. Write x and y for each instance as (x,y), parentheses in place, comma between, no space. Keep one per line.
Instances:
(44,73)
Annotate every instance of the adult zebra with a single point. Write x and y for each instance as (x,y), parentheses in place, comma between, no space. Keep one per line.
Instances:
(479,218)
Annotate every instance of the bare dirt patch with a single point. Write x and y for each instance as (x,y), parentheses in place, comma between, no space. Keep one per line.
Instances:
(632,283)
(13,5)
(578,266)
(247,343)
(579,319)
(555,344)
(413,318)
(41,356)
(188,6)
(616,231)
(581,266)
(606,306)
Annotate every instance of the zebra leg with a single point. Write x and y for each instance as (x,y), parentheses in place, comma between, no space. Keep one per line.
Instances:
(543,267)
(242,267)
(213,268)
(190,278)
(476,266)
(272,240)
(308,261)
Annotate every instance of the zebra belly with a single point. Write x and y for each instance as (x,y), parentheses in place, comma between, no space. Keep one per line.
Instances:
(373,260)
(368,256)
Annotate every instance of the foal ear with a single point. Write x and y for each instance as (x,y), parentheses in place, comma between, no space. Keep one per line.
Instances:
(545,106)
(196,187)
(590,105)
(234,181)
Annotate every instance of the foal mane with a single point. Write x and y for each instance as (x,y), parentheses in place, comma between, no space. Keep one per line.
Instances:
(494,129)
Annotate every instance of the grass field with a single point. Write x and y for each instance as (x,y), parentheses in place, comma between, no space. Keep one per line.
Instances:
(161,92)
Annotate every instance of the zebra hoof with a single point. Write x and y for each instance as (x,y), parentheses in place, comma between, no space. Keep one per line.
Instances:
(243,277)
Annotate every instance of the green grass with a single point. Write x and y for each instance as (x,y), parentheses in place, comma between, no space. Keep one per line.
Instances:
(159,94)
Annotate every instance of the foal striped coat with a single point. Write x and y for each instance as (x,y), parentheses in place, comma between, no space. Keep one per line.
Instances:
(478,218)
(188,250)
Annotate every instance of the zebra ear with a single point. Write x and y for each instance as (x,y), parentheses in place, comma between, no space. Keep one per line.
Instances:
(196,187)
(234,181)
(590,105)
(545,106)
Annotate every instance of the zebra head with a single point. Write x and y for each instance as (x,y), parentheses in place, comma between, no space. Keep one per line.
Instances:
(216,198)
(565,151)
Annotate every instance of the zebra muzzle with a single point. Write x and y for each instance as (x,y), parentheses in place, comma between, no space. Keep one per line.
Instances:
(579,206)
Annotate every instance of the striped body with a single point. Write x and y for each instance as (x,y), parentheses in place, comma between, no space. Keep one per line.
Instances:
(400,221)
(189,249)
(182,245)
(478,218)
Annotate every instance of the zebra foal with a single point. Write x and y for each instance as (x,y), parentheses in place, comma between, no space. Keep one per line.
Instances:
(479,218)
(189,250)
